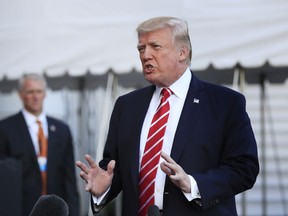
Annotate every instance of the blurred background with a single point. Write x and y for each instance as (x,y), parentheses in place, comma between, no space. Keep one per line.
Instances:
(87,51)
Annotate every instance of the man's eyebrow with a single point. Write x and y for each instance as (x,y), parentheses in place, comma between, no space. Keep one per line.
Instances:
(155,43)
(140,45)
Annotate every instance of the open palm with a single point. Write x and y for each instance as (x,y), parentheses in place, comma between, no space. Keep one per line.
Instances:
(97,180)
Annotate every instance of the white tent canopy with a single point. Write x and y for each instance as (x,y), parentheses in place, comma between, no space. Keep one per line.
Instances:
(72,36)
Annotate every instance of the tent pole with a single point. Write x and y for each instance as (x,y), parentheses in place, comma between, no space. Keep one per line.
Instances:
(263,149)
(105,117)
(242,90)
(239,80)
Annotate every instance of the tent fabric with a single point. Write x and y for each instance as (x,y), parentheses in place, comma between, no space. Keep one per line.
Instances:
(135,79)
(59,37)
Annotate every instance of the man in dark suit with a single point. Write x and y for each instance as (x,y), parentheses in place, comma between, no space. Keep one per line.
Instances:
(209,152)
(19,140)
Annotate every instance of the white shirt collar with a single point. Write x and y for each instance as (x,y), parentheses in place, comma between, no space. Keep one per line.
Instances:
(180,87)
(31,119)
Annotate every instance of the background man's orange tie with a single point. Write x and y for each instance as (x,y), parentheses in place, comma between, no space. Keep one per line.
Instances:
(42,157)
(151,156)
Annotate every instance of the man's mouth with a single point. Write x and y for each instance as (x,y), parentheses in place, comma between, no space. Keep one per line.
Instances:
(148,68)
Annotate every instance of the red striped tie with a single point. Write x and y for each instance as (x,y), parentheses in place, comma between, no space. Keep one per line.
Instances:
(151,156)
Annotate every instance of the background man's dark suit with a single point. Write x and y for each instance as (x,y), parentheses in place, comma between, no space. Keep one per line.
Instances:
(214,143)
(15,141)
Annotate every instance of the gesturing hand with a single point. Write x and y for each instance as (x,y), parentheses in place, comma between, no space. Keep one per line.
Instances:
(175,172)
(97,180)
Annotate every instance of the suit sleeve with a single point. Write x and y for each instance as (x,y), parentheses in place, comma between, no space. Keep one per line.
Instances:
(110,152)
(238,166)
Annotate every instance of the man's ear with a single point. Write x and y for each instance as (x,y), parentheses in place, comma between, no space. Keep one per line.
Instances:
(184,52)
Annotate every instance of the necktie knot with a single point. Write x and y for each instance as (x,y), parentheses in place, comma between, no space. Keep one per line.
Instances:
(39,123)
(166,93)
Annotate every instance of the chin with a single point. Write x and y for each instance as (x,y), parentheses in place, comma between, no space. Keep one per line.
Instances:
(149,78)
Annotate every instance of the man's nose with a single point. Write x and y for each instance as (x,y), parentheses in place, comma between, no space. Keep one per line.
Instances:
(146,55)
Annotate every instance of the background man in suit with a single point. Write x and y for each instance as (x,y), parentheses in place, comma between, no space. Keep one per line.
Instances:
(19,140)
(209,152)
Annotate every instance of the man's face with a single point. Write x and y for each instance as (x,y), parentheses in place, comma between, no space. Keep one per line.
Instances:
(160,58)
(32,95)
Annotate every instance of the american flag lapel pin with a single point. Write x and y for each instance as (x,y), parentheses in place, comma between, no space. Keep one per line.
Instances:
(53,128)
(196,100)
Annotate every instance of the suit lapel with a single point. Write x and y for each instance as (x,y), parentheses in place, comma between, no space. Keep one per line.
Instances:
(141,107)
(194,102)
(51,136)
(25,137)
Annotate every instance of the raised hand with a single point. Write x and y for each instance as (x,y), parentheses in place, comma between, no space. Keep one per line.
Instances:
(175,172)
(97,180)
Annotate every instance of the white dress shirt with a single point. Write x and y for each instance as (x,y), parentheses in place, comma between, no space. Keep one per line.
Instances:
(33,127)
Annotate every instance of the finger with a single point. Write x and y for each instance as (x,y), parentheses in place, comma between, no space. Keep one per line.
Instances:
(83,176)
(90,161)
(88,187)
(167,158)
(82,166)
(111,166)
(169,163)
(172,166)
(165,169)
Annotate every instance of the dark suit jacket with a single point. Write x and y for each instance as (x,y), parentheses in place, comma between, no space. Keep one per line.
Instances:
(15,142)
(214,143)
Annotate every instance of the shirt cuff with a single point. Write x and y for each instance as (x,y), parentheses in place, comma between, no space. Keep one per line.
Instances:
(98,201)
(194,194)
